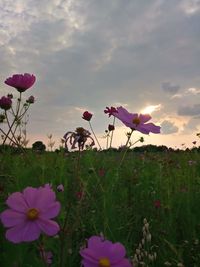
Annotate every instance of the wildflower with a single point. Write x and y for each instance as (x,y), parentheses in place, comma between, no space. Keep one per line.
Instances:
(2,118)
(30,214)
(101,172)
(10,95)
(191,162)
(111,127)
(79,195)
(21,82)
(87,116)
(104,253)
(157,203)
(31,99)
(5,102)
(110,111)
(46,256)
(80,136)
(136,122)
(60,188)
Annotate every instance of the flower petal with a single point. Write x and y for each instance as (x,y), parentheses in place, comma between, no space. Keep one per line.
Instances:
(17,202)
(117,252)
(11,218)
(30,195)
(144,118)
(51,211)
(45,198)
(124,263)
(25,232)
(49,227)
(87,263)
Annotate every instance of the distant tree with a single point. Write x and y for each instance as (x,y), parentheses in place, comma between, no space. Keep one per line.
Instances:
(38,146)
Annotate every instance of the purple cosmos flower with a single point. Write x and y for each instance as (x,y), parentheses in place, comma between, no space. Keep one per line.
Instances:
(136,122)
(5,102)
(30,214)
(21,82)
(104,253)
(87,116)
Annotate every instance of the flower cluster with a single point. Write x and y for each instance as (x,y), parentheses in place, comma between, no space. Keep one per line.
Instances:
(13,116)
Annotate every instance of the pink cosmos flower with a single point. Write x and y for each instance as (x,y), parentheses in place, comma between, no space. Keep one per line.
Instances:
(21,82)
(104,253)
(135,121)
(5,102)
(30,214)
(87,116)
(110,111)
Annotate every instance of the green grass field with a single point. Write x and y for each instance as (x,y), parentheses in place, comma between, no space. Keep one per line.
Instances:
(150,204)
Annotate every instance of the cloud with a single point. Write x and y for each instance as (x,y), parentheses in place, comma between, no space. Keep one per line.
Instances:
(193,91)
(170,88)
(95,53)
(152,108)
(189,110)
(190,7)
(168,127)
(192,126)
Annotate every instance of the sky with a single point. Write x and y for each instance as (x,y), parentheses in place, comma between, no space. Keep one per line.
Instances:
(143,55)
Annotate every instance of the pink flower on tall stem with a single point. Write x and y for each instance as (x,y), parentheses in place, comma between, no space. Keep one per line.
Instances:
(30,214)
(21,82)
(104,253)
(135,121)
(110,111)
(5,102)
(87,116)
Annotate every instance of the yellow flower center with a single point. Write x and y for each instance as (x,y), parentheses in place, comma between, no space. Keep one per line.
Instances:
(136,121)
(32,214)
(104,262)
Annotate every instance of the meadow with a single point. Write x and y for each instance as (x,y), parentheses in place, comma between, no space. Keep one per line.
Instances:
(150,204)
(82,205)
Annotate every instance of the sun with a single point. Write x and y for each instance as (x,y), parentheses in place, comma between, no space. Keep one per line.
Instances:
(151,108)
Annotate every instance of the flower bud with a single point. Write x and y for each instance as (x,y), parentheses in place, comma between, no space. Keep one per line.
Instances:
(87,116)
(5,102)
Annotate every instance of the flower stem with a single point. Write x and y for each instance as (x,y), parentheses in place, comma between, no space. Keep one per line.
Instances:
(15,118)
(13,135)
(112,133)
(126,149)
(94,135)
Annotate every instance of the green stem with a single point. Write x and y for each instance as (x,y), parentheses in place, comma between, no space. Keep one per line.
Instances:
(127,147)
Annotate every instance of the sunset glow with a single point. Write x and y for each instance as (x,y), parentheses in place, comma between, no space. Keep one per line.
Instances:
(150,109)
